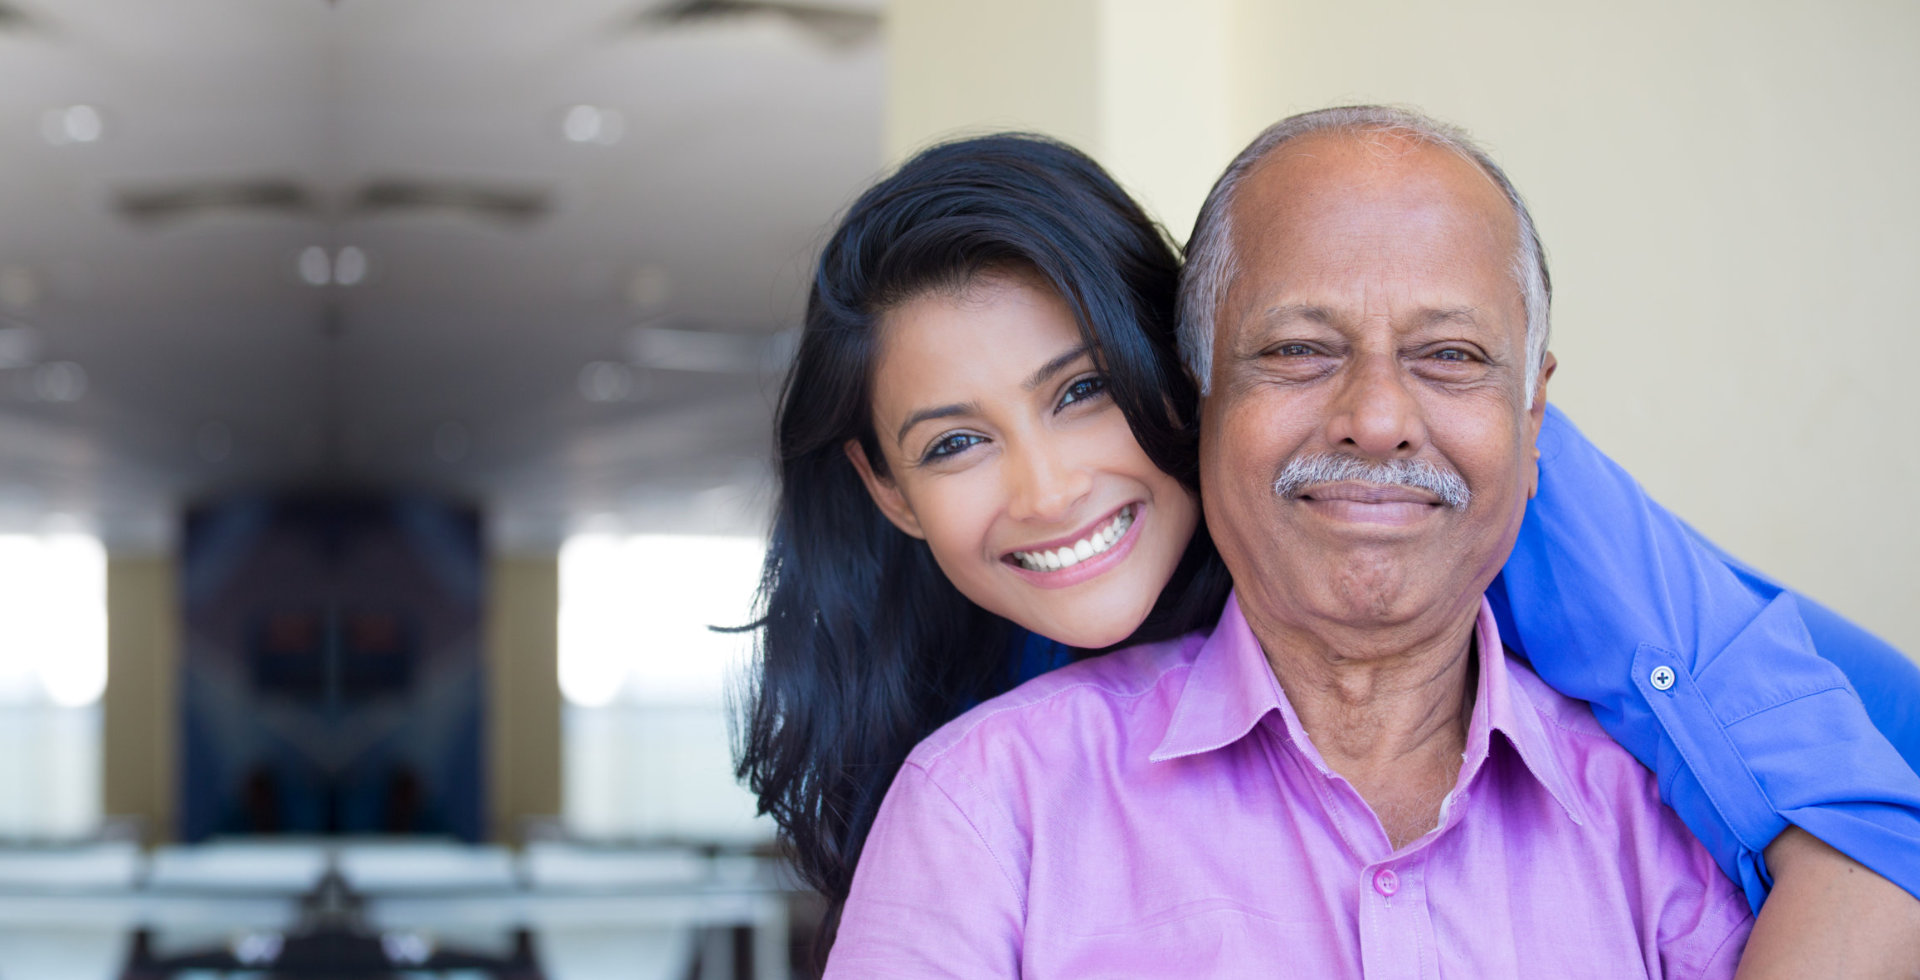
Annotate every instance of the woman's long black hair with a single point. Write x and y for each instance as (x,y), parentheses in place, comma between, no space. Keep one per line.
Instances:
(864,646)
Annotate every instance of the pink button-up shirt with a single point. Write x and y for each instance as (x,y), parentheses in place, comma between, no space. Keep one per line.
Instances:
(1159,812)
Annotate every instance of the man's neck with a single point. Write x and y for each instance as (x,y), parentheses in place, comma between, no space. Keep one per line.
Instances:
(1390,718)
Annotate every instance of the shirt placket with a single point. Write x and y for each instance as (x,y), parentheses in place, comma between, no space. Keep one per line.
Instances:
(1396,925)
(1404,939)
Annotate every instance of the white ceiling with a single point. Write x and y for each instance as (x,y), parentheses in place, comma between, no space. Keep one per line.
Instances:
(456,366)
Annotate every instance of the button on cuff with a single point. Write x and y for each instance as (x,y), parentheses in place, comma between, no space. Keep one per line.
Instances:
(1661,678)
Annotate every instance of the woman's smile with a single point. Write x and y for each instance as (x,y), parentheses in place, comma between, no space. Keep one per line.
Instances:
(1076,558)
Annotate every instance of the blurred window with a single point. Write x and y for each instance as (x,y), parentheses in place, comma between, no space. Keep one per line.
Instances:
(53,670)
(646,752)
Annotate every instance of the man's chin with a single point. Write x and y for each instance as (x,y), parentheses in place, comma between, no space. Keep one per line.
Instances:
(1372,594)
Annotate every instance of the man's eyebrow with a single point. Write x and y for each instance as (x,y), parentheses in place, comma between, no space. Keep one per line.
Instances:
(1297,311)
(1260,325)
(1053,367)
(1463,315)
(929,414)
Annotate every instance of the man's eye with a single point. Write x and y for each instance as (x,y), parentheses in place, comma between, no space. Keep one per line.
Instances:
(1083,389)
(952,444)
(1451,354)
(1294,350)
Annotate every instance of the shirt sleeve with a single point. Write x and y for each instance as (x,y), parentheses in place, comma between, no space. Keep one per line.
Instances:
(931,897)
(1710,946)
(1886,681)
(1708,676)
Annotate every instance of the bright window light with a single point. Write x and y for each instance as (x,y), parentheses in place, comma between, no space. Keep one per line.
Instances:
(646,753)
(635,614)
(53,669)
(53,619)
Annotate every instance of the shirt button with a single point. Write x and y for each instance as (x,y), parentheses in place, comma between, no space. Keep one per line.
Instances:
(1386,882)
(1662,678)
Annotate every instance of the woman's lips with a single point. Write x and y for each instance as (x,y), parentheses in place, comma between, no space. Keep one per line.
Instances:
(1099,537)
(1090,567)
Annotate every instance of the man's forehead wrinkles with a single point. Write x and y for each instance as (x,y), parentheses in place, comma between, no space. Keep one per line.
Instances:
(1413,167)
(1402,312)
(1377,300)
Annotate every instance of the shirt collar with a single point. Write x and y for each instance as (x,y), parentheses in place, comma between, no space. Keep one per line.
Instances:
(1501,704)
(1231,687)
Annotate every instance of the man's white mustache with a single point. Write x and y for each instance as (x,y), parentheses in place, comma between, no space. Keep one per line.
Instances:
(1302,472)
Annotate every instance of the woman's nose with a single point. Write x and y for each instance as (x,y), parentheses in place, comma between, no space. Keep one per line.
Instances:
(1047,487)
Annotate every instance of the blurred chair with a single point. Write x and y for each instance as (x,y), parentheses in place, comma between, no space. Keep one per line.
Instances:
(63,909)
(289,866)
(406,866)
(193,892)
(114,865)
(600,951)
(566,866)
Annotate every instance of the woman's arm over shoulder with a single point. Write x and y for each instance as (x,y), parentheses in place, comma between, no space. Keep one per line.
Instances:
(1708,677)
(1830,917)
(935,894)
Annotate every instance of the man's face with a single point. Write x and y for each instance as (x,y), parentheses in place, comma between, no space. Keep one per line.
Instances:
(1374,327)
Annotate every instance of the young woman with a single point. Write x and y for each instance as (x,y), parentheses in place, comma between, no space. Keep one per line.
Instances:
(907,580)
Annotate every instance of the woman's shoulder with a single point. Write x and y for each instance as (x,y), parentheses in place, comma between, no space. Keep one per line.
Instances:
(1086,701)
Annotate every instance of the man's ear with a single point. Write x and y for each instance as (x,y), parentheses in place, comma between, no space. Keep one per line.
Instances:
(885,495)
(1539,407)
(1536,415)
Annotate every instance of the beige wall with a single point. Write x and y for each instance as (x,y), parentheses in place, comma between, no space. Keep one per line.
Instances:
(140,709)
(1722,188)
(1137,83)
(990,64)
(523,691)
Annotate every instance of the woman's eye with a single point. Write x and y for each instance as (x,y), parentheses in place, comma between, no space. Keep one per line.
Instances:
(952,444)
(1083,389)
(1293,350)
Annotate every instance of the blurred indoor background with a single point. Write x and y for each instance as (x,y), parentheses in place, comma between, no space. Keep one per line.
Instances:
(385,389)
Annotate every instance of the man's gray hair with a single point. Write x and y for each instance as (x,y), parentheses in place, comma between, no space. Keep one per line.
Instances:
(1211,264)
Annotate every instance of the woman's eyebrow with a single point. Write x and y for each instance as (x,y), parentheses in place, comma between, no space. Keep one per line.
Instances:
(1054,367)
(928,414)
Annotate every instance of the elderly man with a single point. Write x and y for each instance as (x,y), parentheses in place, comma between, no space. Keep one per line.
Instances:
(1349,776)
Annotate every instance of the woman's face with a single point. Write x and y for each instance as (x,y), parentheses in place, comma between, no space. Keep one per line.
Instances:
(1006,455)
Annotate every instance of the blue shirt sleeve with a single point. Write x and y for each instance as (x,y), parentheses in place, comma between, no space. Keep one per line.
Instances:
(1886,681)
(1729,687)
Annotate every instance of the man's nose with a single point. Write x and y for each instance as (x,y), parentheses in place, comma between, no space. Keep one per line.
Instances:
(1375,413)
(1047,485)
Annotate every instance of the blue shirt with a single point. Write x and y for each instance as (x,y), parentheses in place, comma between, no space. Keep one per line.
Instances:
(1756,720)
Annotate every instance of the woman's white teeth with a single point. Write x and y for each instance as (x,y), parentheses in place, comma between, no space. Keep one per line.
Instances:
(1081,550)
